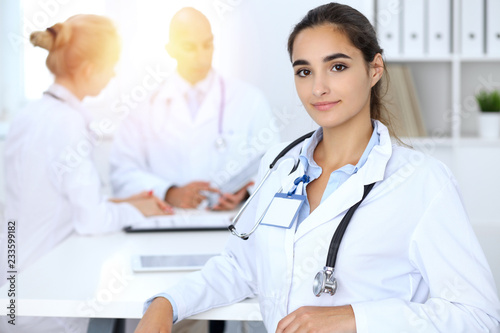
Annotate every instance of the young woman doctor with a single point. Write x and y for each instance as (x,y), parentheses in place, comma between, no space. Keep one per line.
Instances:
(53,187)
(408,261)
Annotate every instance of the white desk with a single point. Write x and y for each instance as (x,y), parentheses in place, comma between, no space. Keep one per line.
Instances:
(92,277)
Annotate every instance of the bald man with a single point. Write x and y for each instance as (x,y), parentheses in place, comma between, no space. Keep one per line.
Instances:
(197,131)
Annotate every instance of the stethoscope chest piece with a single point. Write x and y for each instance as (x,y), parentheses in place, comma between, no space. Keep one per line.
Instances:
(325,282)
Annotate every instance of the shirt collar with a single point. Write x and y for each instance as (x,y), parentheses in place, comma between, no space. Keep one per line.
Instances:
(307,154)
(374,140)
(66,96)
(201,87)
(62,93)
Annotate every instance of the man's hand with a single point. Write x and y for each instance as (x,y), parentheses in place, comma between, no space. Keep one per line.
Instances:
(188,196)
(337,319)
(228,201)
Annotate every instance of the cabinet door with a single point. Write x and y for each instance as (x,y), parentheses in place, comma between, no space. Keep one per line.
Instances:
(472,27)
(439,27)
(493,27)
(413,27)
(388,26)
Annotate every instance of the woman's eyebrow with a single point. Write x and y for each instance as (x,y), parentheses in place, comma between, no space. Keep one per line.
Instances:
(335,56)
(328,58)
(300,62)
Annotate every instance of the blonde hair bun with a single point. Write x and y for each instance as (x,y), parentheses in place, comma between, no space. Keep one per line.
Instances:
(53,38)
(43,39)
(80,39)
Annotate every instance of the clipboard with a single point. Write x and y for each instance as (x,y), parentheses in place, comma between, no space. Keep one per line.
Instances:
(185,220)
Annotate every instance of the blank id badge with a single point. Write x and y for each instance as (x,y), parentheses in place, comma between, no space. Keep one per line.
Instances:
(283,210)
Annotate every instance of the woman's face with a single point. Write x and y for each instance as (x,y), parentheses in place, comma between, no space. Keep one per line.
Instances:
(331,77)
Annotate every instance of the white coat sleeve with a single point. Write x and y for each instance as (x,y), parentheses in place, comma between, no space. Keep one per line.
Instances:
(77,179)
(225,279)
(130,172)
(445,251)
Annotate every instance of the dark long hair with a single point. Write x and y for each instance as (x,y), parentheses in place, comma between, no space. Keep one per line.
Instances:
(360,32)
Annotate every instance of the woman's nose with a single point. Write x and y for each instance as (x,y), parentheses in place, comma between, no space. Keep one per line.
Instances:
(320,86)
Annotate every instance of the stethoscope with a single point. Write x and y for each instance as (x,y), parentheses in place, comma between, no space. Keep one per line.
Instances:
(324,281)
(54,96)
(220,142)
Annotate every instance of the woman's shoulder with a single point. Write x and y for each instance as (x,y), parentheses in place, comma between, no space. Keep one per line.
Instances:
(49,115)
(274,150)
(413,164)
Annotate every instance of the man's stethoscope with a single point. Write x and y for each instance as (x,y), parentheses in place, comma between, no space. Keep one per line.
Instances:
(220,142)
(325,281)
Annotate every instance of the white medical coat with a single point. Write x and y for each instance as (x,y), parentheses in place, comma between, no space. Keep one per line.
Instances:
(160,144)
(409,260)
(53,188)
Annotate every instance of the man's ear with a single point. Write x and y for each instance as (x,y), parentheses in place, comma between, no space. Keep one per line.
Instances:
(376,69)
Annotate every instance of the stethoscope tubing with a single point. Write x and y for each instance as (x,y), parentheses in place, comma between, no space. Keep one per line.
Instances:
(232,227)
(339,232)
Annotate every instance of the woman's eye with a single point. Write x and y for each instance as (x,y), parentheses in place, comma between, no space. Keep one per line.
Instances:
(338,68)
(303,72)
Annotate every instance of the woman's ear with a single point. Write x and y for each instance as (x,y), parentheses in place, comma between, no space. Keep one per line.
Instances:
(376,69)
(87,70)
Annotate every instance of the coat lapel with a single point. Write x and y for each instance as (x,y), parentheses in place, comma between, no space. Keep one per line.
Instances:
(210,107)
(352,190)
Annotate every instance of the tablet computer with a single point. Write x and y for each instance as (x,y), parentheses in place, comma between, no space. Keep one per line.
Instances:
(237,181)
(165,263)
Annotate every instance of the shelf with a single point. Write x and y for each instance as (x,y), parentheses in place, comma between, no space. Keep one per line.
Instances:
(448,58)
(478,142)
(480,59)
(425,141)
(451,142)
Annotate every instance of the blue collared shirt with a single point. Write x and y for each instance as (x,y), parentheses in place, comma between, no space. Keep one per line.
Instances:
(338,177)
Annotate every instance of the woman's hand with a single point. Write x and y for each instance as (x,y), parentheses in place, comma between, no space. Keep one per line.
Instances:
(158,317)
(228,201)
(337,319)
(147,204)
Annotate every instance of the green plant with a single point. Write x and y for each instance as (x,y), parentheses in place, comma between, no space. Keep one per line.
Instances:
(489,101)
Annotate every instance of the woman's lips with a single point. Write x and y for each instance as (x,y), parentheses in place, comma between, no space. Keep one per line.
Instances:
(323,106)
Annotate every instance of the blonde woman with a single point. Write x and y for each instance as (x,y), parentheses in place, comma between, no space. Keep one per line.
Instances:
(52,185)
